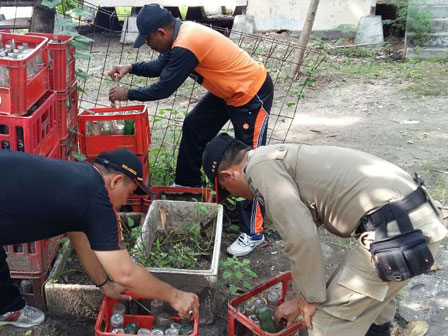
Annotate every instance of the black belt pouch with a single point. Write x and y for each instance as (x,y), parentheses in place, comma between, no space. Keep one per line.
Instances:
(401,257)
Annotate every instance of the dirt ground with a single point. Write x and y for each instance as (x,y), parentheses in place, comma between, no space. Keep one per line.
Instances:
(368,101)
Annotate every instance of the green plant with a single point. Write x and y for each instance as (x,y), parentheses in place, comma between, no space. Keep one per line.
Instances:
(186,247)
(237,272)
(414,18)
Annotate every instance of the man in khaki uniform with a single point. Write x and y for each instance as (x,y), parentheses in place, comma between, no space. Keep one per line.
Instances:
(304,186)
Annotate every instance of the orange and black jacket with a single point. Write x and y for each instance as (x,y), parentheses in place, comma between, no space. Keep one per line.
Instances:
(207,56)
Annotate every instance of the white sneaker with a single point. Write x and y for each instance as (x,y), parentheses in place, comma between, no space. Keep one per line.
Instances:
(243,245)
(24,318)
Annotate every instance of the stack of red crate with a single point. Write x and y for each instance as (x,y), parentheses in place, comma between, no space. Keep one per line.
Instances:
(62,81)
(28,123)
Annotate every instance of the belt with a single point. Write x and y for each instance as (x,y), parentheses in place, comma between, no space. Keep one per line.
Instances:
(397,210)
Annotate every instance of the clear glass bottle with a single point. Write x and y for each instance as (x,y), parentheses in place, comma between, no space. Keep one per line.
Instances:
(20,142)
(163,320)
(156,308)
(117,318)
(172,331)
(4,76)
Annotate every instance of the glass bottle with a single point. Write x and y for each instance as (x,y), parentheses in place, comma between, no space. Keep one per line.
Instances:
(163,321)
(117,331)
(157,332)
(6,144)
(131,328)
(156,309)
(117,318)
(171,331)
(266,321)
(144,331)
(129,127)
(249,307)
(186,329)
(20,143)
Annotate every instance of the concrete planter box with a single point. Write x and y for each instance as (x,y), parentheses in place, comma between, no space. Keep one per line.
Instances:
(74,300)
(201,282)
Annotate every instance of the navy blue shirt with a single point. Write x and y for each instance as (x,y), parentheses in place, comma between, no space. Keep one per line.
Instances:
(42,198)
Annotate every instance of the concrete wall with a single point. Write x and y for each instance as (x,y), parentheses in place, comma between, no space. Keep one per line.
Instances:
(290,14)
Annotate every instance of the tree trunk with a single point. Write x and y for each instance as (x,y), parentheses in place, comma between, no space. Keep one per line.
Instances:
(43,18)
(304,38)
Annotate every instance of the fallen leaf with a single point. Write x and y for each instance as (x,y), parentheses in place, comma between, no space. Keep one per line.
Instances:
(163,218)
(436,267)
(28,332)
(416,328)
(315,131)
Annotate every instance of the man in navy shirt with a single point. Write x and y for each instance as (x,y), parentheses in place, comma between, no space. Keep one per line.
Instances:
(42,198)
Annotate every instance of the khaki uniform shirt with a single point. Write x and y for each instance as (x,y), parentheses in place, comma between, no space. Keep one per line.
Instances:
(305,186)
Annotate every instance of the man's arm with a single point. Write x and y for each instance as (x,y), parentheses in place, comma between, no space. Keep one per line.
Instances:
(180,63)
(93,266)
(119,265)
(150,69)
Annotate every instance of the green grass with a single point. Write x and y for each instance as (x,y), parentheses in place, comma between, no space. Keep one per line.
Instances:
(425,77)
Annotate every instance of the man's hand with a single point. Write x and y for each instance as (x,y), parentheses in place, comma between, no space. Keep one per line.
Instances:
(291,309)
(118,93)
(288,310)
(114,290)
(119,71)
(307,311)
(185,303)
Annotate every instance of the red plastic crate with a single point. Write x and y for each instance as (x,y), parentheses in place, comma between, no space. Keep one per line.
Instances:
(92,145)
(102,327)
(67,146)
(23,92)
(233,315)
(183,193)
(33,291)
(67,111)
(61,60)
(137,203)
(39,130)
(55,153)
(33,258)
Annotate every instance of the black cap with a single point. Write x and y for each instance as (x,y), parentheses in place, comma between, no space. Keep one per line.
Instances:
(126,162)
(149,19)
(213,153)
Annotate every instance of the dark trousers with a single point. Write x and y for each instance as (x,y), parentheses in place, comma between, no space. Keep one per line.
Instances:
(10,298)
(202,124)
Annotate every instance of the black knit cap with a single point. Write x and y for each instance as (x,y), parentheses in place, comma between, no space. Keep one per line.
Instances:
(149,19)
(213,153)
(126,162)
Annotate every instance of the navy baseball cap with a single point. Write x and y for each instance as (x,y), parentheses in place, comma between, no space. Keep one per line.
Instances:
(211,159)
(149,19)
(126,162)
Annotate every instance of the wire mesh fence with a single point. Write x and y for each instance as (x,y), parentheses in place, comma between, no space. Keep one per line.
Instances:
(166,116)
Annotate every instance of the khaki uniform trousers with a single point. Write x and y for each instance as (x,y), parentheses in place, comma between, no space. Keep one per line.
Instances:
(357,297)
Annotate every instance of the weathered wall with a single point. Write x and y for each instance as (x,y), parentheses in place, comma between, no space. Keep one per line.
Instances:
(290,14)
